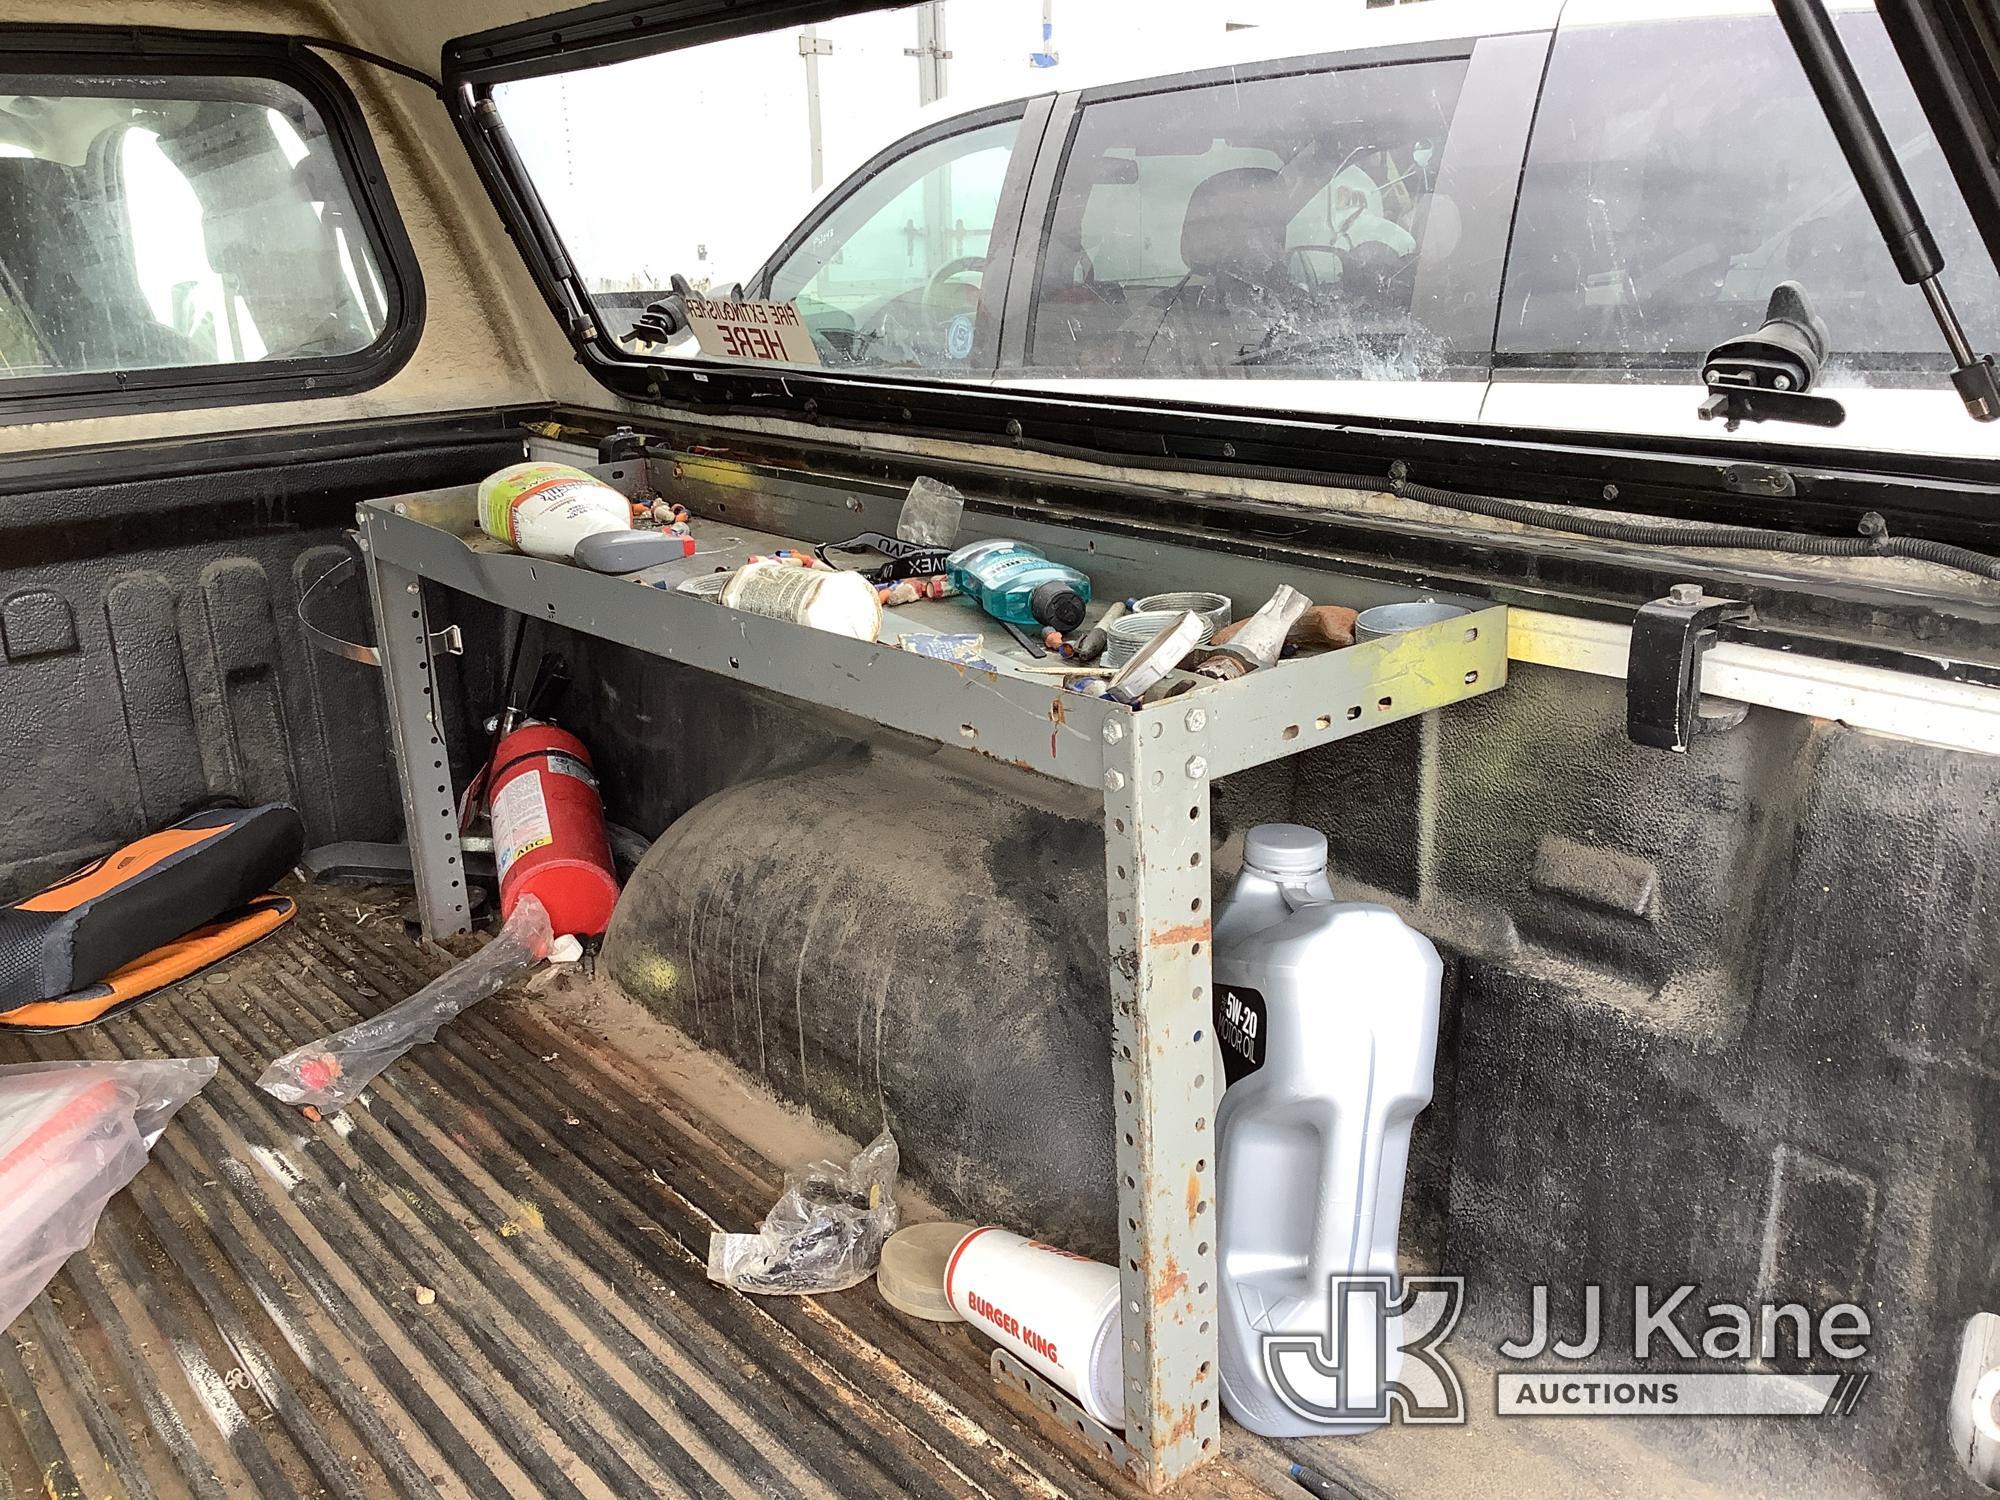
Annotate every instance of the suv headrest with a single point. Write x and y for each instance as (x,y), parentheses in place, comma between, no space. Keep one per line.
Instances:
(40,231)
(1234,221)
(30,186)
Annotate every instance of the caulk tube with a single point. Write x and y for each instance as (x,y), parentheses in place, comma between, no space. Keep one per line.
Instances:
(546,509)
(841,603)
(1056,1312)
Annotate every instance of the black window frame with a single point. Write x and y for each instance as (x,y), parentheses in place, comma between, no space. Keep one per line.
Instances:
(147,53)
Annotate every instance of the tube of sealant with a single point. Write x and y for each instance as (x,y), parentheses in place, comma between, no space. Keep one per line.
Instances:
(328,1073)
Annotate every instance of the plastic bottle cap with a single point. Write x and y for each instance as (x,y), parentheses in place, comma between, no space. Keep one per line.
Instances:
(1285,849)
(1056,604)
(910,1276)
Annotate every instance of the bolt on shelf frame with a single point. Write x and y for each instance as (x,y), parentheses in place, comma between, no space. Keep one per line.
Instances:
(1153,765)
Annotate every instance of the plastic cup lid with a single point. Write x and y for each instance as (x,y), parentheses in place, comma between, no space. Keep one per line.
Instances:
(911,1274)
(1285,849)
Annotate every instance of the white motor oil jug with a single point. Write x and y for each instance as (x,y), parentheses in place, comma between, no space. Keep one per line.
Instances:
(1326,1014)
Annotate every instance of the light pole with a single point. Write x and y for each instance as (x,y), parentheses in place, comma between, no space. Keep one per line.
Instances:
(812,47)
(932,55)
(930,52)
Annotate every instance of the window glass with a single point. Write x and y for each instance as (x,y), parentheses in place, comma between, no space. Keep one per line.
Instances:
(151,224)
(1277,205)
(893,275)
(1269,226)
(1679,171)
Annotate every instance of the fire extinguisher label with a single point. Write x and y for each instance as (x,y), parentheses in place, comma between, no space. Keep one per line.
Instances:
(569,765)
(520,820)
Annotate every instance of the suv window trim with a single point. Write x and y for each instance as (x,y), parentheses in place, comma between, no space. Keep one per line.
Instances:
(1038,206)
(1458,50)
(154,53)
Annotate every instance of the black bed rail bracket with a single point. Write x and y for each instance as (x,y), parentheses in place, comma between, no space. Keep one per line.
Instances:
(1663,672)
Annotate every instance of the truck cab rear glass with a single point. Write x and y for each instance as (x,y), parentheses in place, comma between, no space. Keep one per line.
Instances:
(1507,218)
(203,226)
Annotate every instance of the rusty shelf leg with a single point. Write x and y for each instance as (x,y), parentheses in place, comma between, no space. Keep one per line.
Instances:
(1156,847)
(430,808)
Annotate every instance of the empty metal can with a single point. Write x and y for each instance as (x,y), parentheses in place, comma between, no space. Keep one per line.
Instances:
(1394,619)
(1215,609)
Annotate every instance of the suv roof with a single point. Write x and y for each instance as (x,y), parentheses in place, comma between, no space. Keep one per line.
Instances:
(1342,31)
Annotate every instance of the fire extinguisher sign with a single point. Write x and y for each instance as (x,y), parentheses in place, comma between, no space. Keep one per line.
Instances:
(520,821)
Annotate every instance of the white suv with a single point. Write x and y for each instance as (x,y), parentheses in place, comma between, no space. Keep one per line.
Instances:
(1545,224)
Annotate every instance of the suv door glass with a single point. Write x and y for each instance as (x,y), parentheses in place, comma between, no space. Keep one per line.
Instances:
(893,275)
(1267,227)
(1678,171)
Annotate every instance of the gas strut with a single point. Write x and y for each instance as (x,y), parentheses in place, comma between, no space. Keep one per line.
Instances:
(1886,191)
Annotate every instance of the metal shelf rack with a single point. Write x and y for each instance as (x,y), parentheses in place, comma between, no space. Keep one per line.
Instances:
(1153,766)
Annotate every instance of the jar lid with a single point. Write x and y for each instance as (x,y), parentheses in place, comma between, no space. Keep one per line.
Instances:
(911,1274)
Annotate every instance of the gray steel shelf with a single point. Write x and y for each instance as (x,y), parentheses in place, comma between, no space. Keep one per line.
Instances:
(1152,764)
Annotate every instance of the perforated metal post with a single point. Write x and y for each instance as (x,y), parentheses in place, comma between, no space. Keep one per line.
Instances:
(430,809)
(1156,846)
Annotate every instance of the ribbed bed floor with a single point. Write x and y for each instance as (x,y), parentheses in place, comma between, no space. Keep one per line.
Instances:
(248,1319)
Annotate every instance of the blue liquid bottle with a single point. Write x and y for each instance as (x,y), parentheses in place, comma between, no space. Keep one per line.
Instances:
(1013,582)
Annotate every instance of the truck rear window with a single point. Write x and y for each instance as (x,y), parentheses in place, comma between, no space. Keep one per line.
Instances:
(1534,216)
(164,224)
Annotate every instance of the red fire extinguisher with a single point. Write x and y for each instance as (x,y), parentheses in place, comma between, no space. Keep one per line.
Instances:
(548,830)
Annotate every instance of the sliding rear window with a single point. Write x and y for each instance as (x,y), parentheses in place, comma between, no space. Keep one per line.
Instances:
(1449,213)
(187,236)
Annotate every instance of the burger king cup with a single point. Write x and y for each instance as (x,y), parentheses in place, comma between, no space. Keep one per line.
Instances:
(1056,1312)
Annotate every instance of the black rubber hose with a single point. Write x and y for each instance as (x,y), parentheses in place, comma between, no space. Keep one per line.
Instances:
(1560,518)
(1695,534)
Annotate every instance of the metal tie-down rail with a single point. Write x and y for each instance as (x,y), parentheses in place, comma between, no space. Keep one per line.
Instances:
(1154,766)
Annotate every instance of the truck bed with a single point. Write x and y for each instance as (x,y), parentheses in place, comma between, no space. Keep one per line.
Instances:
(247,1320)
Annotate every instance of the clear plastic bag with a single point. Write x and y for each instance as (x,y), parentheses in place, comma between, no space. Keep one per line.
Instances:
(331,1071)
(825,1232)
(930,514)
(71,1135)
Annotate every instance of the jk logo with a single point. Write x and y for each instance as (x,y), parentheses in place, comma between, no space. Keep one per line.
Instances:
(1379,1352)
